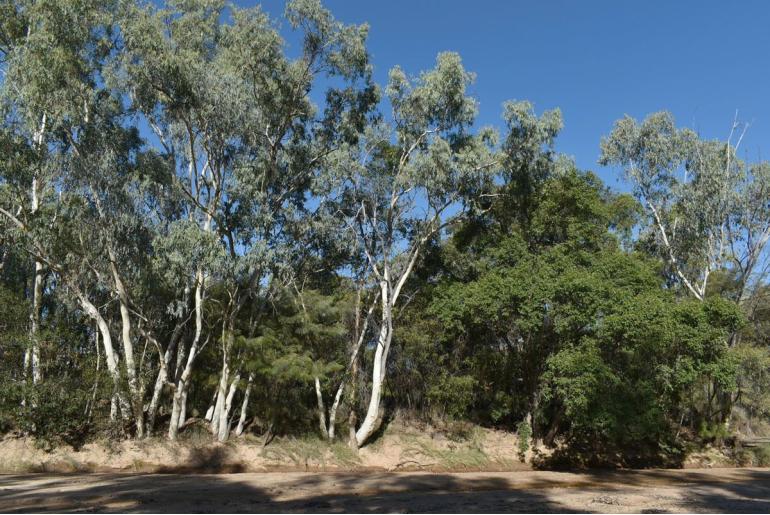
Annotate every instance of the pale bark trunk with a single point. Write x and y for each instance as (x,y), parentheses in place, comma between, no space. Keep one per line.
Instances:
(244,406)
(180,392)
(333,411)
(352,417)
(92,401)
(157,390)
(183,409)
(37,302)
(109,351)
(321,408)
(37,289)
(224,417)
(372,418)
(221,399)
(133,382)
(210,412)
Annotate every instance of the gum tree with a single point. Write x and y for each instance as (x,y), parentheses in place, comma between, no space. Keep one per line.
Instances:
(406,180)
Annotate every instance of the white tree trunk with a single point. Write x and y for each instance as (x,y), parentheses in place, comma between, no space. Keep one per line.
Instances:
(219,405)
(152,410)
(109,351)
(224,416)
(333,411)
(183,409)
(372,418)
(321,408)
(37,301)
(244,406)
(180,392)
(33,358)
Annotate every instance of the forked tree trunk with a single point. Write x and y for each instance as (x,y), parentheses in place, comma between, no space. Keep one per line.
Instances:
(224,417)
(179,401)
(110,356)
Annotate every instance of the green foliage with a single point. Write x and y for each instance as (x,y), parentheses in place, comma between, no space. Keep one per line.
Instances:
(191,197)
(523,434)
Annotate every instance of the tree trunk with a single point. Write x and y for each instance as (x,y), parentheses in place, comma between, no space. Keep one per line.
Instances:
(109,353)
(224,417)
(152,410)
(37,301)
(373,418)
(224,377)
(333,410)
(244,406)
(352,417)
(321,408)
(33,358)
(180,392)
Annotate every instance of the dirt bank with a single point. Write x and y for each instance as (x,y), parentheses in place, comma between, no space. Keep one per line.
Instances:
(402,448)
(651,491)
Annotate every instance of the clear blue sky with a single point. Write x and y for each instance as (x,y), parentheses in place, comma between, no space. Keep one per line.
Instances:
(596,60)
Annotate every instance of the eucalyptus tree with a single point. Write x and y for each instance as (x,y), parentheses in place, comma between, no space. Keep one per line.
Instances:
(53,57)
(405,181)
(234,116)
(708,209)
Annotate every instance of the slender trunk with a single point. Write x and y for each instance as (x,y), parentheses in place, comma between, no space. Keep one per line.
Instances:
(352,417)
(210,412)
(216,417)
(37,302)
(157,390)
(109,353)
(183,409)
(37,288)
(244,406)
(135,389)
(321,408)
(92,401)
(224,419)
(333,411)
(372,418)
(180,392)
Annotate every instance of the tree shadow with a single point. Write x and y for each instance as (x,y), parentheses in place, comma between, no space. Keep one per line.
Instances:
(746,490)
(269,493)
(205,460)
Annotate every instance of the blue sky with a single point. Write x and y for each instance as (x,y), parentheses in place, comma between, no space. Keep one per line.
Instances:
(595,60)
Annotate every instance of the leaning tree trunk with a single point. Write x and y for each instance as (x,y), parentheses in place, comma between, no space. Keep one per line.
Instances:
(372,419)
(244,406)
(321,407)
(110,357)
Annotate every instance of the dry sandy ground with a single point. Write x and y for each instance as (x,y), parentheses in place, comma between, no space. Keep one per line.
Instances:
(651,491)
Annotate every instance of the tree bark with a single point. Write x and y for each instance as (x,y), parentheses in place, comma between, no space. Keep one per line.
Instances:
(372,418)
(244,406)
(180,392)
(224,416)
(321,407)
(37,281)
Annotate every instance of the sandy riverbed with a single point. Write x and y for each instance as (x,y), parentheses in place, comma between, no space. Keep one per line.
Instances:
(650,491)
